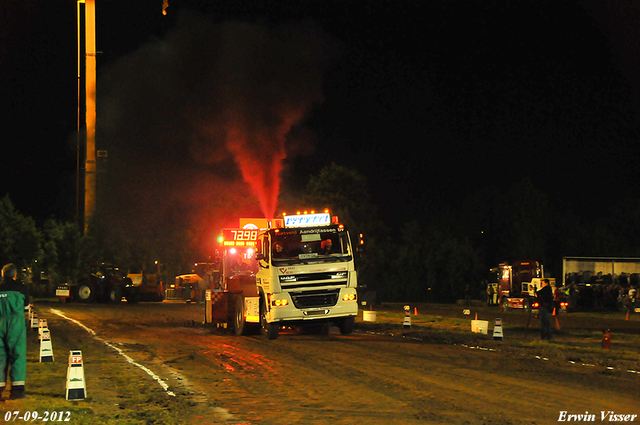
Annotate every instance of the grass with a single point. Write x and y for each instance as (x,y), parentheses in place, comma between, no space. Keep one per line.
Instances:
(579,338)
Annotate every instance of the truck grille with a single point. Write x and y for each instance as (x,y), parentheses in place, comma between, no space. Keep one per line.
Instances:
(310,299)
(308,280)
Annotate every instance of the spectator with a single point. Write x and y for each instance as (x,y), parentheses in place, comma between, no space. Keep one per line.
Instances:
(545,300)
(14,300)
(557,299)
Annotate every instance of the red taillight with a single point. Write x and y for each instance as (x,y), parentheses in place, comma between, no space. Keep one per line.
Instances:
(535,305)
(564,304)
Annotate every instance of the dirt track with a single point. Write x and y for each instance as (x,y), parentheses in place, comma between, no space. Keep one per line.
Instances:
(362,378)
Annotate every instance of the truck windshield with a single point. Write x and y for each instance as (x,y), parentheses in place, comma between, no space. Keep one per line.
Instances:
(329,244)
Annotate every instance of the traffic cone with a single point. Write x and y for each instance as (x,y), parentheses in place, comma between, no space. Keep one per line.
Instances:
(76,387)
(627,315)
(46,350)
(415,311)
(476,316)
(606,339)
(554,311)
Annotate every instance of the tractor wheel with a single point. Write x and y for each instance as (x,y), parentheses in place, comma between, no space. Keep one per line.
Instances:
(86,292)
(115,294)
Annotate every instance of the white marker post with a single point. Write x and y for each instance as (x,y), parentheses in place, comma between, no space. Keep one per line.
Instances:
(407,317)
(34,321)
(42,324)
(76,387)
(497,330)
(46,349)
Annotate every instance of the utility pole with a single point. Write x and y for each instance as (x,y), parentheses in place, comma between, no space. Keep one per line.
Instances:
(90,108)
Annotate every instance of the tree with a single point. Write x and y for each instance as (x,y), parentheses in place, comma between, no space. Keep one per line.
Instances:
(345,192)
(20,240)
(432,264)
(62,247)
(508,226)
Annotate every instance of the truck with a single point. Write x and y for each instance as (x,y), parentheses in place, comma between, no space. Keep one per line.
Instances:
(517,283)
(624,271)
(296,271)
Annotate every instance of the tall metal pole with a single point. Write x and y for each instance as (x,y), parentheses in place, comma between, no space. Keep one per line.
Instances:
(90,61)
(79,111)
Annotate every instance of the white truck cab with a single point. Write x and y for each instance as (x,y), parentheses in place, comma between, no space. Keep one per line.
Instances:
(306,274)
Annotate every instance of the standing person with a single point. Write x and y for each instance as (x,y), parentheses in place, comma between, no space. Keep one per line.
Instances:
(557,299)
(491,294)
(14,300)
(545,299)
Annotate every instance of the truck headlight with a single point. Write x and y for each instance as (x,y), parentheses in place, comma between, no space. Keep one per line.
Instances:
(349,297)
(279,303)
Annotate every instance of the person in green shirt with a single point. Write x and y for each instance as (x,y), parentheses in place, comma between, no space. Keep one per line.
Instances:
(14,300)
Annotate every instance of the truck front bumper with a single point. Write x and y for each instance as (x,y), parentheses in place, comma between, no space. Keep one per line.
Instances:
(290,313)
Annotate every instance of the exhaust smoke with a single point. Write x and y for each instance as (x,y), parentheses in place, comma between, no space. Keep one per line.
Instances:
(222,102)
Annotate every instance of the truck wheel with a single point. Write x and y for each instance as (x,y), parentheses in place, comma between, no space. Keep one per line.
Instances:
(86,292)
(346,325)
(115,294)
(270,330)
(238,316)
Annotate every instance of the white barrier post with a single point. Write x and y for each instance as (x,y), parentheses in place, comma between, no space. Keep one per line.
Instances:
(46,349)
(34,321)
(497,329)
(76,387)
(42,324)
(407,317)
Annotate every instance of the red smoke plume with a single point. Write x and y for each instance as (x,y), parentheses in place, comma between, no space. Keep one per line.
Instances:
(259,156)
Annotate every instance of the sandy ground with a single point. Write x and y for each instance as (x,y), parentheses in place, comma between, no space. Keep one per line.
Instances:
(377,375)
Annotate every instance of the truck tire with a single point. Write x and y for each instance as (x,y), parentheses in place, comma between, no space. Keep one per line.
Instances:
(86,292)
(346,325)
(239,323)
(115,295)
(270,330)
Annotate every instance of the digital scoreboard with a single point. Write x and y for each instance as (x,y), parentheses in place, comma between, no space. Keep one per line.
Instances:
(307,220)
(239,237)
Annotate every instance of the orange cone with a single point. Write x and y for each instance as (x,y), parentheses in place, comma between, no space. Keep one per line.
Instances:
(554,311)
(415,311)
(627,315)
(476,316)
(606,339)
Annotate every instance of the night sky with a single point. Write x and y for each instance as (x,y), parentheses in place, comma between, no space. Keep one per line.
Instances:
(430,100)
